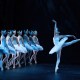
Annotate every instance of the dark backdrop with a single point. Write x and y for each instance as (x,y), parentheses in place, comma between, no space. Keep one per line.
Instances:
(37,15)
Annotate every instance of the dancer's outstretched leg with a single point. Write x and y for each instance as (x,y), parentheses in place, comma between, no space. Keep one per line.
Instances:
(71,42)
(58,60)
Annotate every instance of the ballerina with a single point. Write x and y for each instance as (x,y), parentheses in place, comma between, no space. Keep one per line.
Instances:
(35,45)
(60,42)
(35,49)
(27,44)
(36,41)
(11,48)
(17,48)
(5,48)
(21,45)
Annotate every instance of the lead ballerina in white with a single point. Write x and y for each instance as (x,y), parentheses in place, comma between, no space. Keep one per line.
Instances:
(60,42)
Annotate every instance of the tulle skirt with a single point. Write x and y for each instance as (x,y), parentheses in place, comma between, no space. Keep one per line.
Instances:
(4,50)
(28,47)
(11,50)
(40,48)
(20,48)
(58,46)
(34,47)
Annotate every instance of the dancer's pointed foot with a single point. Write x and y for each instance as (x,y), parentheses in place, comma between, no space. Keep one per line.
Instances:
(13,67)
(78,39)
(35,62)
(19,65)
(56,69)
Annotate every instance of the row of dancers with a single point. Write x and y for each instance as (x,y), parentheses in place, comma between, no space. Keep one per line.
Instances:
(14,47)
(60,41)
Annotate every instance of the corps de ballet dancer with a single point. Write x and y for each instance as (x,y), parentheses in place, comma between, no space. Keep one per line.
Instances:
(22,46)
(35,49)
(36,41)
(27,44)
(11,48)
(17,48)
(60,42)
(5,48)
(36,45)
(1,55)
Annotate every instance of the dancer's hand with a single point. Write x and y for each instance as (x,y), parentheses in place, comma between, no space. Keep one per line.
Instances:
(54,21)
(71,36)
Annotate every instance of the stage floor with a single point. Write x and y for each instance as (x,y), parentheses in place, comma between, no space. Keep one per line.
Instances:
(42,72)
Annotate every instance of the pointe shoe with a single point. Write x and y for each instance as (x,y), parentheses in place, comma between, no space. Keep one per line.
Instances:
(35,62)
(19,65)
(13,67)
(56,69)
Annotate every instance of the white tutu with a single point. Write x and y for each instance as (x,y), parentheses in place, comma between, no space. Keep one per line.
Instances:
(28,46)
(39,47)
(4,50)
(58,46)
(20,48)
(34,47)
(12,50)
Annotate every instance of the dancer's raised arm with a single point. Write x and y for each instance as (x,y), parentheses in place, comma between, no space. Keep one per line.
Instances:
(62,36)
(56,32)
